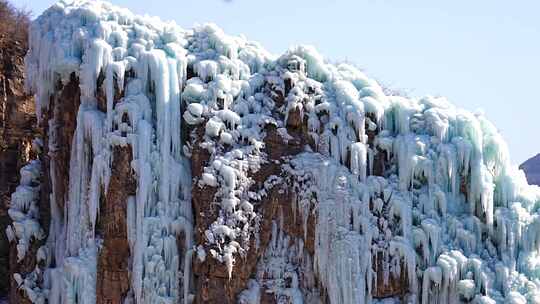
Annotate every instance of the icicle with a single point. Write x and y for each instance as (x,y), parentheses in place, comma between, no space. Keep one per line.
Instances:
(24,210)
(359,160)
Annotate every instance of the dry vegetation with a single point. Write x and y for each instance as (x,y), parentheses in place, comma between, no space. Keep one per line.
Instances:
(13,25)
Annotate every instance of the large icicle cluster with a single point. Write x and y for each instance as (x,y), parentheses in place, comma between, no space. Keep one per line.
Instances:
(111,51)
(434,210)
(445,206)
(415,186)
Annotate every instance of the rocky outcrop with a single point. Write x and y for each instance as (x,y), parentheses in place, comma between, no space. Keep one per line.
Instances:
(531,167)
(17,131)
(213,285)
(212,282)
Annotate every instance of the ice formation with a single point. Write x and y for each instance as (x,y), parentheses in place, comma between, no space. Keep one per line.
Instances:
(24,209)
(24,212)
(413,185)
(285,264)
(147,60)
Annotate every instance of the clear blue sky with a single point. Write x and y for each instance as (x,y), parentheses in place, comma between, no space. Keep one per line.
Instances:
(482,54)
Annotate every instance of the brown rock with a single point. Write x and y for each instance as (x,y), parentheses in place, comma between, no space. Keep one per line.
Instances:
(212,282)
(113,281)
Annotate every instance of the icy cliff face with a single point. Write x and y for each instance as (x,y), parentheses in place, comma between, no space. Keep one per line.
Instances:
(308,182)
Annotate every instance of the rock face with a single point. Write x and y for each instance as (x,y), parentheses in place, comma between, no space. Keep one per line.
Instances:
(113,271)
(194,167)
(212,281)
(531,167)
(277,208)
(17,131)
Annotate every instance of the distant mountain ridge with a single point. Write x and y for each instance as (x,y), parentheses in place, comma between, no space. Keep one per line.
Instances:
(531,167)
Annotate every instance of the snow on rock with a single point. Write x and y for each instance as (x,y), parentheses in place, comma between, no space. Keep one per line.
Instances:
(416,185)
